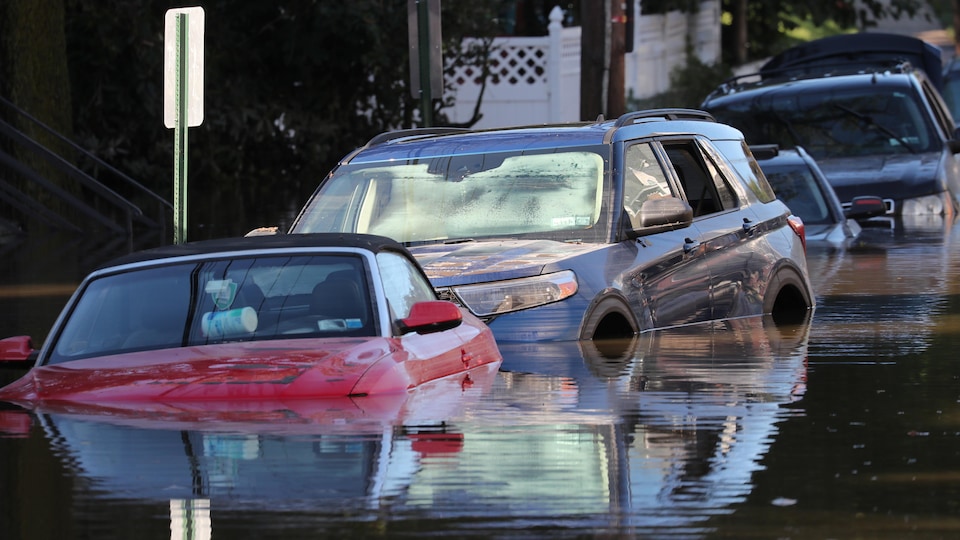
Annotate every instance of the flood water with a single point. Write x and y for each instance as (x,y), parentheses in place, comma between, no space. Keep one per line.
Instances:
(845,426)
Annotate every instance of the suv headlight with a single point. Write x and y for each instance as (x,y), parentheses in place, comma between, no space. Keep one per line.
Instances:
(928,204)
(497,297)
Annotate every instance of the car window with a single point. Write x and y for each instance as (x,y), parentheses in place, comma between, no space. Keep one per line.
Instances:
(403,284)
(941,111)
(696,179)
(557,195)
(643,179)
(951,94)
(264,297)
(740,157)
(798,189)
(726,197)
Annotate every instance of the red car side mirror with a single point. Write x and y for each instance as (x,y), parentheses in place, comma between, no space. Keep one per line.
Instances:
(431,316)
(18,349)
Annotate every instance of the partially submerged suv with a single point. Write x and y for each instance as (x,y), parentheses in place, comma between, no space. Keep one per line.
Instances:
(605,229)
(875,123)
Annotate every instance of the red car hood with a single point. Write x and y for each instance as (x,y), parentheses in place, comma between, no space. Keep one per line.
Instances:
(249,370)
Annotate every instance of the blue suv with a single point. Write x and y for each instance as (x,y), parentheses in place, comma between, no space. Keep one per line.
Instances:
(867,108)
(579,231)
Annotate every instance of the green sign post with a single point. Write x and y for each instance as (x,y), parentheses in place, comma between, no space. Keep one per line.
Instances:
(183,98)
(426,56)
(180,134)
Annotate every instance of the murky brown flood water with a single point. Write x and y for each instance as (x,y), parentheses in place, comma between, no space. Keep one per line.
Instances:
(847,426)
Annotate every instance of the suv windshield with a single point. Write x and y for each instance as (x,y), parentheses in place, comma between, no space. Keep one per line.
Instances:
(556,195)
(839,123)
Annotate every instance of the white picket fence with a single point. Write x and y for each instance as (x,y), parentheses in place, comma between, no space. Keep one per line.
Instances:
(537,79)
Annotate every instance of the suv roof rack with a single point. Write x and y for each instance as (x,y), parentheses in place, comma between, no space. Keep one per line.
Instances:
(812,72)
(663,114)
(391,135)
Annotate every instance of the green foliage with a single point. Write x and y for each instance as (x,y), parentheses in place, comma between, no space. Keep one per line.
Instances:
(689,85)
(290,87)
(794,18)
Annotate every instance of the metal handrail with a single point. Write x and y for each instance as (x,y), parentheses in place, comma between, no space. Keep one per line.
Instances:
(129,211)
(146,191)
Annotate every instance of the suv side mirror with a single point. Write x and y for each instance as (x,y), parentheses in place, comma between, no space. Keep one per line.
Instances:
(954,143)
(662,214)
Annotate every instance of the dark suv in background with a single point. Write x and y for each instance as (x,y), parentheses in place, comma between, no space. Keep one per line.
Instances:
(578,231)
(867,107)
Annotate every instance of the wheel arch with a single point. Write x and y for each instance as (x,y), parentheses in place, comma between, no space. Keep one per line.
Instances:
(609,316)
(788,297)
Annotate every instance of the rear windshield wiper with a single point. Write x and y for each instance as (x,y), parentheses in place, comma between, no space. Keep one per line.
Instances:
(868,120)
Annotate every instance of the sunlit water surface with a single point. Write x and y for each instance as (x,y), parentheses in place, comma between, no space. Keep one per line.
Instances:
(845,426)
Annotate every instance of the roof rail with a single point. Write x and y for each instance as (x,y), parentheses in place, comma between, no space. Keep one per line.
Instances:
(813,72)
(664,114)
(391,135)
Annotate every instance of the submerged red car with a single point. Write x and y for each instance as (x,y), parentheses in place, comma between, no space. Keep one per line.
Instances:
(261,318)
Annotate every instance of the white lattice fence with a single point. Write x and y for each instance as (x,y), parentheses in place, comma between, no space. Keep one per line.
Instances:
(518,90)
(536,80)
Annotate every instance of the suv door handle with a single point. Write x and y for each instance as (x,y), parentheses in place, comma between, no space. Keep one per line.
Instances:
(749,226)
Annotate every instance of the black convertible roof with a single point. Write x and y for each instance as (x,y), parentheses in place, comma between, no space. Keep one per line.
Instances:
(865,49)
(250,243)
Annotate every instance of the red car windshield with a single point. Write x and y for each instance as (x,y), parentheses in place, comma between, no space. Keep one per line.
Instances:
(216,301)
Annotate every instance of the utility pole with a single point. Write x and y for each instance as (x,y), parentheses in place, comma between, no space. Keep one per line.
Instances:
(602,48)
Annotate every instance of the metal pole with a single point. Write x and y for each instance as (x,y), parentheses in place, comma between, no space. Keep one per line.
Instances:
(426,97)
(180,135)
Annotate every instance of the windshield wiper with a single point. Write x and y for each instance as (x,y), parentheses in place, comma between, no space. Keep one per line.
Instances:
(867,119)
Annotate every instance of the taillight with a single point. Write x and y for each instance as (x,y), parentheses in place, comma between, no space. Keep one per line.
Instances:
(797,225)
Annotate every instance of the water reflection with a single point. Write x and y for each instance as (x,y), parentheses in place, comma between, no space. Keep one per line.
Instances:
(659,432)
(845,427)
(883,291)
(673,425)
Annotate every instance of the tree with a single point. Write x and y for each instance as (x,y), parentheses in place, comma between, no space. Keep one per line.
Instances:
(768,20)
(291,86)
(34,78)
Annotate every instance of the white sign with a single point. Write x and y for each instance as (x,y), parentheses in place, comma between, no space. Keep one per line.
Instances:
(194,98)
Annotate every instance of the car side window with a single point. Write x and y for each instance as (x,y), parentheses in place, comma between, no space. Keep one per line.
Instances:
(697,179)
(940,110)
(643,179)
(744,165)
(403,284)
